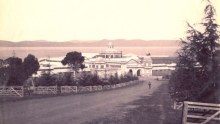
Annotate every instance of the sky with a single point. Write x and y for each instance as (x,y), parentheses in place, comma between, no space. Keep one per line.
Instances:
(65,20)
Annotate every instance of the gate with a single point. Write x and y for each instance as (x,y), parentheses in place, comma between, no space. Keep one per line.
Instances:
(201,113)
(11,91)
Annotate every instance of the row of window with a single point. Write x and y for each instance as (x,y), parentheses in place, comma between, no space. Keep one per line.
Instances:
(104,66)
(111,56)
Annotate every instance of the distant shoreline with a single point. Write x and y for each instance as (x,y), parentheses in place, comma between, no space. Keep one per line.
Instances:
(42,52)
(98,43)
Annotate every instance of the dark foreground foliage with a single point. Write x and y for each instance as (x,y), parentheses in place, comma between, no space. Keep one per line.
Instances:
(196,74)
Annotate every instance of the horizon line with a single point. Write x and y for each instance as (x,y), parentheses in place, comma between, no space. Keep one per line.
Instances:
(92,40)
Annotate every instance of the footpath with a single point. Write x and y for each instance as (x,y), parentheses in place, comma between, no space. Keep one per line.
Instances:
(155,108)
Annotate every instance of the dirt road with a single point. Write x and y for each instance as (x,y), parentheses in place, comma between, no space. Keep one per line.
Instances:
(75,109)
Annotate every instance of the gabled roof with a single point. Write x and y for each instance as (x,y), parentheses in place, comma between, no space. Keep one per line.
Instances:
(131,61)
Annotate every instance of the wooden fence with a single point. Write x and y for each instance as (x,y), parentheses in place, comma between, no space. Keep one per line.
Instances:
(45,90)
(178,105)
(68,89)
(12,91)
(53,90)
(82,89)
(200,113)
(106,87)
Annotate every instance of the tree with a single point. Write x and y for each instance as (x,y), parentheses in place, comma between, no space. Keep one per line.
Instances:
(14,71)
(196,69)
(74,60)
(4,76)
(30,65)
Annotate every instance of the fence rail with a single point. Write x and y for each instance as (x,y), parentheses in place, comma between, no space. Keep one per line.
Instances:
(45,90)
(53,90)
(12,91)
(200,113)
(178,105)
(68,89)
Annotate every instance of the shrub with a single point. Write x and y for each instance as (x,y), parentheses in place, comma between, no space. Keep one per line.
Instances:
(46,80)
(88,79)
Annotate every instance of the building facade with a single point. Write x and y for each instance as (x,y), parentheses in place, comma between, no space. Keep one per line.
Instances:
(112,62)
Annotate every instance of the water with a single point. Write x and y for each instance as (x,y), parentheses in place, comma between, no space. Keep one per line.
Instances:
(41,52)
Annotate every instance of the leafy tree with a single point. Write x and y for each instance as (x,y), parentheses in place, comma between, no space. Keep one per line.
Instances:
(196,69)
(31,65)
(74,60)
(4,75)
(14,71)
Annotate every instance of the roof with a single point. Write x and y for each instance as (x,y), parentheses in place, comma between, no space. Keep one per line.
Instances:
(163,60)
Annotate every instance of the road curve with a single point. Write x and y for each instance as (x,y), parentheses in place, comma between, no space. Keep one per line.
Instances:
(73,109)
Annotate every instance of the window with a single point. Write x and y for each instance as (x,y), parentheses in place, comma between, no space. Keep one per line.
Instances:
(116,66)
(102,66)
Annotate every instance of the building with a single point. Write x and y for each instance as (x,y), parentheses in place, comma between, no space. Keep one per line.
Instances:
(112,62)
(163,66)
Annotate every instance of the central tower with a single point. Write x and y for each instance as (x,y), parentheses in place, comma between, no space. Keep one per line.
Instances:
(110,52)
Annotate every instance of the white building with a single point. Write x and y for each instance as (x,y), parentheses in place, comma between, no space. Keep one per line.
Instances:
(113,62)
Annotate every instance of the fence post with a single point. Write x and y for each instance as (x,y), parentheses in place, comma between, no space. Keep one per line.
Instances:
(22,91)
(185,111)
(76,89)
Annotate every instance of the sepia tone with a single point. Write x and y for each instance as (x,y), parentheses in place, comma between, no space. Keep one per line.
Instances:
(106,62)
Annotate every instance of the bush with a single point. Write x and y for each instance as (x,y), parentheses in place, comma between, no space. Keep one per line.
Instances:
(113,80)
(83,79)
(88,79)
(46,80)
(127,77)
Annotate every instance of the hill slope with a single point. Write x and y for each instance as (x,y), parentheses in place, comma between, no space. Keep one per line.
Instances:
(99,43)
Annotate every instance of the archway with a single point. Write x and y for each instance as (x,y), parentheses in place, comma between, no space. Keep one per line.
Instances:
(139,72)
(130,72)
